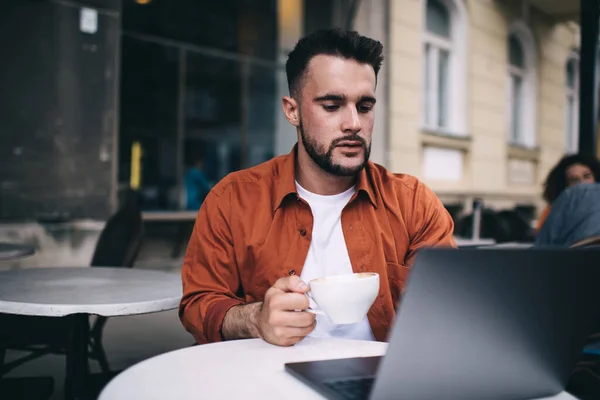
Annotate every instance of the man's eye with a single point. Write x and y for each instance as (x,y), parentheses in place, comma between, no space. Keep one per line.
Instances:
(330,107)
(365,109)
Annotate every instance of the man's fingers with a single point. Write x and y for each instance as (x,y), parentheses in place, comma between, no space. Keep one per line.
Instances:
(281,321)
(285,332)
(300,319)
(291,319)
(288,302)
(291,284)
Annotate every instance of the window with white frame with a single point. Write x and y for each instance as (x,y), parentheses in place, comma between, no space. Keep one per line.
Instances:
(438,46)
(518,74)
(572,104)
(444,102)
(522,86)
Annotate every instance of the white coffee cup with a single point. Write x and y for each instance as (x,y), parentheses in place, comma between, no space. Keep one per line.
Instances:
(345,299)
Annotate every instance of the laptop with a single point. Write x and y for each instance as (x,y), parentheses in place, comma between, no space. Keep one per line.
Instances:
(477,324)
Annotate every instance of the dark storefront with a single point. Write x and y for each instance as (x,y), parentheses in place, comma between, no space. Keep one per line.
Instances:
(179,80)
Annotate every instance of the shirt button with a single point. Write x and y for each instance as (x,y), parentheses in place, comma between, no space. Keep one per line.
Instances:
(302,232)
(292,272)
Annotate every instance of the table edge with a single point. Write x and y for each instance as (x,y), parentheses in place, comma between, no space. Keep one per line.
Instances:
(110,310)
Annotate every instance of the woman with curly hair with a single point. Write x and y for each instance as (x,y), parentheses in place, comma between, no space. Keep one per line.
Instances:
(570,171)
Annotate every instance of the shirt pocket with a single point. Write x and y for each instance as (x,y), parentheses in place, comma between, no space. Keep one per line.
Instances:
(397,275)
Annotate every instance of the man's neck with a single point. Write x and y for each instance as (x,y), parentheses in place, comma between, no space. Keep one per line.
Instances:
(312,178)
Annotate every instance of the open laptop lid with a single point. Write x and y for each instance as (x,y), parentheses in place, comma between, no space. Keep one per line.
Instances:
(491,324)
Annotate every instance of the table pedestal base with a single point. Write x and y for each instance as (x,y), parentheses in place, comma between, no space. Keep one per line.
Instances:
(77,374)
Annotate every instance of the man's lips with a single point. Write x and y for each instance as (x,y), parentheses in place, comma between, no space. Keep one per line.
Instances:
(349,143)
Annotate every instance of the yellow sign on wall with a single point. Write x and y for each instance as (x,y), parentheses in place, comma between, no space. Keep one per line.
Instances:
(136,166)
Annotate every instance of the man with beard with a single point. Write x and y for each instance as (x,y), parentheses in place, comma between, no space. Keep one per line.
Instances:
(324,209)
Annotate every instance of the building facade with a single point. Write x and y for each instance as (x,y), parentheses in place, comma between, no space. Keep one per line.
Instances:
(483,97)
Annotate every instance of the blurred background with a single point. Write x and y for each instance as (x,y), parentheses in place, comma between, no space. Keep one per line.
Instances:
(478,98)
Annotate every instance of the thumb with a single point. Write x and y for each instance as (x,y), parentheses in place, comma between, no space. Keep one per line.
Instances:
(291,284)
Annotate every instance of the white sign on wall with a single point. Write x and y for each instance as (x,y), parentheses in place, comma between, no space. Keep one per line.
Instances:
(88,20)
(442,164)
(521,172)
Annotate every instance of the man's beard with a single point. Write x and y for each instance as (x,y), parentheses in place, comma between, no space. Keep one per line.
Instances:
(324,159)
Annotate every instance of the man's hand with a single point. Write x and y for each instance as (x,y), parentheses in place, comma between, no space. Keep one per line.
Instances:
(278,322)
(275,319)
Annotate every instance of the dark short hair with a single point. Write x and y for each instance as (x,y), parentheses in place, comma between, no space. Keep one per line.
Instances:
(556,182)
(334,42)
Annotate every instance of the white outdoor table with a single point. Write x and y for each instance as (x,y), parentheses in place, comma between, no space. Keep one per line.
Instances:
(81,292)
(510,245)
(469,242)
(243,369)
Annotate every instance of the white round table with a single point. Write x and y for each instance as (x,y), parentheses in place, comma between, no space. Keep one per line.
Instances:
(56,292)
(243,369)
(76,293)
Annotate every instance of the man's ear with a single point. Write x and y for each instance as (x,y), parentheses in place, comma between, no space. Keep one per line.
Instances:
(291,110)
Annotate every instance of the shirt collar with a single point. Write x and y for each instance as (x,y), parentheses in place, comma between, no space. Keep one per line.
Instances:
(286,185)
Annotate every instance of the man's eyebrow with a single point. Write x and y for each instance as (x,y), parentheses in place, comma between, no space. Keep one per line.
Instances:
(330,97)
(369,99)
(341,97)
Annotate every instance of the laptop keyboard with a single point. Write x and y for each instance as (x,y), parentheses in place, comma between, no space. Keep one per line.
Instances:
(352,389)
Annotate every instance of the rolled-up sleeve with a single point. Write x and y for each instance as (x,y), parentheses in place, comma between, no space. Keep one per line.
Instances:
(209,273)
(430,223)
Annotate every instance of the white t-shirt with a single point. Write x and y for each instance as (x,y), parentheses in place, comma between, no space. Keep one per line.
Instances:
(328,255)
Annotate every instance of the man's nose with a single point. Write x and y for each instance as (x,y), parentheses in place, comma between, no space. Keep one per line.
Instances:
(351,121)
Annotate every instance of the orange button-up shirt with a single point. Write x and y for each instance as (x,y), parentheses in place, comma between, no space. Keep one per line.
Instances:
(253,229)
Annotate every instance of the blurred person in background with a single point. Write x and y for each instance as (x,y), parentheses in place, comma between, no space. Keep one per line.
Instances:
(197,185)
(570,171)
(574,219)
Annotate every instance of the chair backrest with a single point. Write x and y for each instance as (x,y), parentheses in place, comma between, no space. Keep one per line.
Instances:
(121,238)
